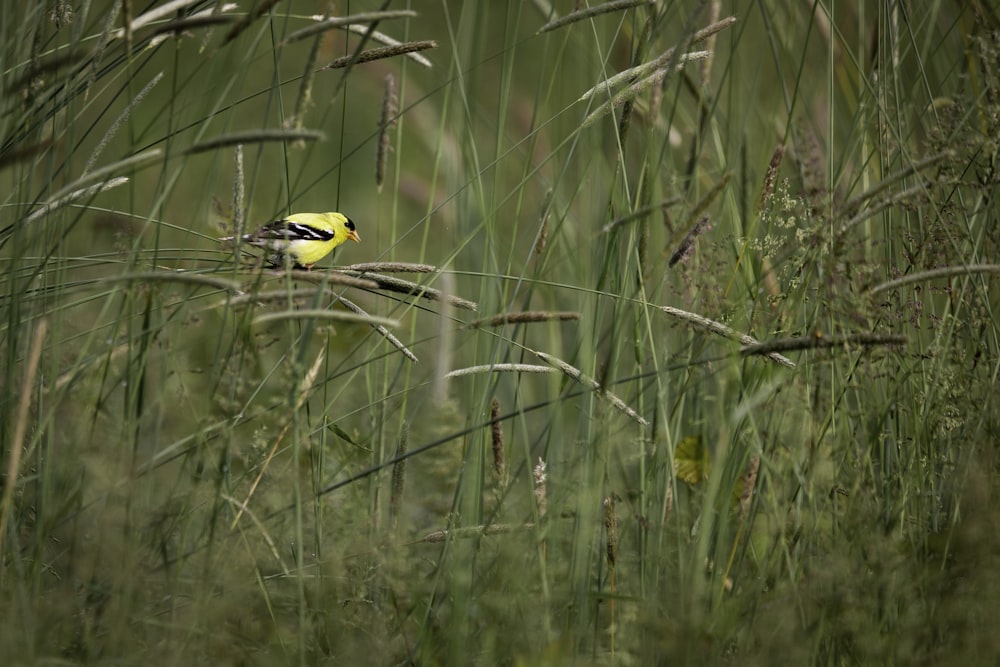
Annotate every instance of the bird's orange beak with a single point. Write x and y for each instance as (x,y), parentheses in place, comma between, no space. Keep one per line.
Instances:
(353,235)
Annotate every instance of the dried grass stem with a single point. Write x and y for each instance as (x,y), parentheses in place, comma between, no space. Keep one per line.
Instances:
(590,12)
(380,53)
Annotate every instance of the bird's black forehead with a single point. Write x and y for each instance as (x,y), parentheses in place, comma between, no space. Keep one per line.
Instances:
(350,224)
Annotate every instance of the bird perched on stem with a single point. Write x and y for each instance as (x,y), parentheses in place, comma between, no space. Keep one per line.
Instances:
(303,238)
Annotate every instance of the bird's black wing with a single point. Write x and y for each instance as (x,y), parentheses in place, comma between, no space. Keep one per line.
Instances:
(286,230)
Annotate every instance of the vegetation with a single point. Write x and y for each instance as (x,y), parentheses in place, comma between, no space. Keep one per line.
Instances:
(670,339)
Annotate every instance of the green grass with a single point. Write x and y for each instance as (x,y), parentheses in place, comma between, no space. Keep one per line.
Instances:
(750,415)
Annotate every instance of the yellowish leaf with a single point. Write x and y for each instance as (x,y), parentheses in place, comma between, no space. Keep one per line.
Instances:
(691,460)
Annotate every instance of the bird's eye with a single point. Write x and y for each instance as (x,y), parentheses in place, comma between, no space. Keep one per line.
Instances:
(350,224)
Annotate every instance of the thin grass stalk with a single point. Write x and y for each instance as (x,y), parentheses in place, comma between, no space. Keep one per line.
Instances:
(261,8)
(262,529)
(55,204)
(714,10)
(323,277)
(239,198)
(611,551)
(420,291)
(132,162)
(367,32)
(122,117)
(668,500)
(241,298)
(217,9)
(13,471)
(584,13)
(722,330)
(255,137)
(195,21)
(37,69)
(933,274)
(641,213)
(399,475)
(910,169)
(327,23)
(32,27)
(812,166)
(821,342)
(439,536)
(263,297)
(871,211)
(524,317)
(392,340)
(97,55)
(644,70)
(546,9)
(697,134)
(126,30)
(540,478)
(75,372)
(594,385)
(176,27)
(749,485)
(324,315)
(629,94)
(543,224)
(302,101)
(709,198)
(746,498)
(611,529)
(163,11)
(642,242)
(500,368)
(175,277)
(445,337)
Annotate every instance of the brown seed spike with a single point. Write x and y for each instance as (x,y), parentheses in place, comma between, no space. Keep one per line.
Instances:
(611,527)
(496,432)
(686,248)
(382,52)
(387,119)
(770,178)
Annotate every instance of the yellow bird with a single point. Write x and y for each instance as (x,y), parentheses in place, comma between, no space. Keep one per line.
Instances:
(304,238)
